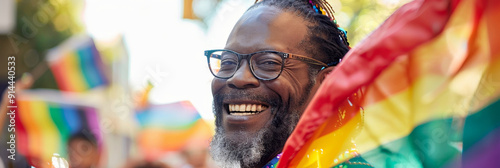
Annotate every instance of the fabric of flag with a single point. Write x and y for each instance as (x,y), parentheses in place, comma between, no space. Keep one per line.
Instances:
(77,65)
(421,91)
(170,127)
(43,127)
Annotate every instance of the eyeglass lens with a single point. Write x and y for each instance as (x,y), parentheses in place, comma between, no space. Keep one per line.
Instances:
(264,65)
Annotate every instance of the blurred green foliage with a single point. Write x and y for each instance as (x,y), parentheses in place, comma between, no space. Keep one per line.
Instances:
(40,26)
(361,17)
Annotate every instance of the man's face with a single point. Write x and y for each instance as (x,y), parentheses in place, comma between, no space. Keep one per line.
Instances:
(273,107)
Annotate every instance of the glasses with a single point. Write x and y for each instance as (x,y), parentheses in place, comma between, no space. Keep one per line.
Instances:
(264,65)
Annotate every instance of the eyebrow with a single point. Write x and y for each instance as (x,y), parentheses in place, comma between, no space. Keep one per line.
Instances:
(252,50)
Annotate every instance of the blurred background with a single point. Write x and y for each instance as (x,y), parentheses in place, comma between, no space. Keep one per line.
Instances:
(116,83)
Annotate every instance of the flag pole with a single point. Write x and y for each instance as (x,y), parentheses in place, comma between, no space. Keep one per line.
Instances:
(39,69)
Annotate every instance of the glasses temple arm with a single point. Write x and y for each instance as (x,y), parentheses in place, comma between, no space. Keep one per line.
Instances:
(308,60)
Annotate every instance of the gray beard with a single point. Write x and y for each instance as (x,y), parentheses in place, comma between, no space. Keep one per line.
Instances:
(230,154)
(257,147)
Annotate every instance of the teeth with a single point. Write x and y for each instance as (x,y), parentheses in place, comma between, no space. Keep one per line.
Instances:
(246,109)
(242,114)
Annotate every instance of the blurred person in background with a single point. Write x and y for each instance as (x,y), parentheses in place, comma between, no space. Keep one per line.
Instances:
(83,151)
(196,158)
(24,83)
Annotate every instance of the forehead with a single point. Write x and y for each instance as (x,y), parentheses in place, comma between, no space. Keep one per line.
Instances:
(266,27)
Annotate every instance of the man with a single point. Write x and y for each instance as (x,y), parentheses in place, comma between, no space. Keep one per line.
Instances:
(274,61)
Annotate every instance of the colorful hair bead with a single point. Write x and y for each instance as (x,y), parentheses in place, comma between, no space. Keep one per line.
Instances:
(342,32)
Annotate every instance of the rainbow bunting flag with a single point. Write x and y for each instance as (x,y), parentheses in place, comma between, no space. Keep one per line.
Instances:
(43,126)
(421,91)
(170,127)
(77,65)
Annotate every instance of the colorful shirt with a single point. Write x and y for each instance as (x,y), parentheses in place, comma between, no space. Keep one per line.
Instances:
(356,162)
(273,163)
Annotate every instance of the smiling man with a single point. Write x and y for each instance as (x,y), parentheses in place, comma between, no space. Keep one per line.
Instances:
(274,61)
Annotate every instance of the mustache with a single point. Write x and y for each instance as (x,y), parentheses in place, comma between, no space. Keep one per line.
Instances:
(272,100)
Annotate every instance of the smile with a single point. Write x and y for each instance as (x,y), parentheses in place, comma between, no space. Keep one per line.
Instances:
(246,109)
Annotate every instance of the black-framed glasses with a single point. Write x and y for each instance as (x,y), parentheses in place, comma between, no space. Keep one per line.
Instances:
(264,65)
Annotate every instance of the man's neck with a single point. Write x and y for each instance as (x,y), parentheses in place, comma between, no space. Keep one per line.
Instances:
(266,160)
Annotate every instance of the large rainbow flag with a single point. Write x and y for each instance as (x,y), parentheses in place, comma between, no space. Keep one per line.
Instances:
(421,91)
(170,127)
(44,125)
(77,65)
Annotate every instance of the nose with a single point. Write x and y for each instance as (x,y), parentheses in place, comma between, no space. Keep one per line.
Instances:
(243,78)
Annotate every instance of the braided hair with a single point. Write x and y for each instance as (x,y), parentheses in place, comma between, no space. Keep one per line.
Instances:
(327,42)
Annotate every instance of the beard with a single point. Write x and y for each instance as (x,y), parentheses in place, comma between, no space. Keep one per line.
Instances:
(256,147)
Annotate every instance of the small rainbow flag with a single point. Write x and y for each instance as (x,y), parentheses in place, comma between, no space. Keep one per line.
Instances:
(43,126)
(77,65)
(170,127)
(421,91)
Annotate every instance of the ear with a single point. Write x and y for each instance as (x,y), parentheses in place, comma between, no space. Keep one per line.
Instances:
(323,73)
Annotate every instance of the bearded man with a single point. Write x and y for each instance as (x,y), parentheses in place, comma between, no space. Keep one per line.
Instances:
(274,60)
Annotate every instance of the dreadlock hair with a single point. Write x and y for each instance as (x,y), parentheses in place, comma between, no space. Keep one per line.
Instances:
(326,42)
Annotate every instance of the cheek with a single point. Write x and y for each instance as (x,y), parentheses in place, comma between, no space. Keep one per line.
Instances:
(280,87)
(290,86)
(217,84)
(299,76)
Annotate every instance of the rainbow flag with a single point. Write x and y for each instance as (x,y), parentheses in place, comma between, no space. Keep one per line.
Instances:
(77,65)
(421,91)
(44,126)
(170,127)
